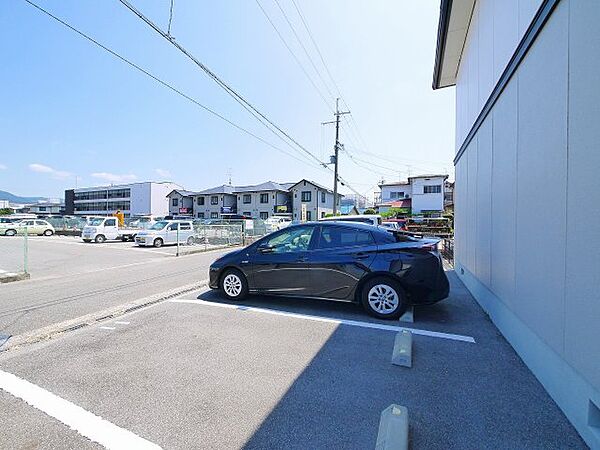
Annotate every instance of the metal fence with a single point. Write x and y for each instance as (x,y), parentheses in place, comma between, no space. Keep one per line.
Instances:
(448,250)
(14,255)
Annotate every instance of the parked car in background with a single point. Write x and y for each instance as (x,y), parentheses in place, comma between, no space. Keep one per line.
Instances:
(142,221)
(29,226)
(383,270)
(166,232)
(372,219)
(8,219)
(400,222)
(101,229)
(276,222)
(390,225)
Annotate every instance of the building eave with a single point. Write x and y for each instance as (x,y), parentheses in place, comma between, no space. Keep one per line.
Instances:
(453,25)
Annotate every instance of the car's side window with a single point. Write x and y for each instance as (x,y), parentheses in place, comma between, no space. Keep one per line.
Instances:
(335,237)
(186,226)
(110,223)
(172,227)
(292,240)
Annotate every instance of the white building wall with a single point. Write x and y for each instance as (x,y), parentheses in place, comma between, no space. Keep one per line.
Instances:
(494,33)
(427,202)
(526,201)
(140,201)
(159,203)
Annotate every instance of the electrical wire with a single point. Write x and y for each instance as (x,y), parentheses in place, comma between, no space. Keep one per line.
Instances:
(164,83)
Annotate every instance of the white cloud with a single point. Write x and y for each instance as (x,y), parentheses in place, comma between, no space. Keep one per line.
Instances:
(3,167)
(57,174)
(163,173)
(115,178)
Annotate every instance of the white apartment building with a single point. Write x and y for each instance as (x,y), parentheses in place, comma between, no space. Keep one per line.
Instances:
(423,193)
(527,187)
(212,203)
(144,198)
(311,200)
(263,200)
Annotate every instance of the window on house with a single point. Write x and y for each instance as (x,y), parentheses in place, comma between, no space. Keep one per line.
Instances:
(322,214)
(214,215)
(214,199)
(306,196)
(264,215)
(200,201)
(396,194)
(264,198)
(200,215)
(309,214)
(247,214)
(323,197)
(174,202)
(247,198)
(432,189)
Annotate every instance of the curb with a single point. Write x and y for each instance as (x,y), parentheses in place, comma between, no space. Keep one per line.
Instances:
(10,277)
(52,331)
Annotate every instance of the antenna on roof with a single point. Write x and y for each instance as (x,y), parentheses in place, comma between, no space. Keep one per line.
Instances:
(229,176)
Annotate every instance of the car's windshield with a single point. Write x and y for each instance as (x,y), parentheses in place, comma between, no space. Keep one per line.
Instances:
(96,221)
(159,225)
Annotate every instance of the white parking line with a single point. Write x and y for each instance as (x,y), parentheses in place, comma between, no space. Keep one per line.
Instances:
(122,323)
(354,323)
(108,328)
(84,422)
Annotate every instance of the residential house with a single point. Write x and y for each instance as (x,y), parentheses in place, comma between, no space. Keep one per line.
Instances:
(46,208)
(527,184)
(214,202)
(311,201)
(181,202)
(261,201)
(423,193)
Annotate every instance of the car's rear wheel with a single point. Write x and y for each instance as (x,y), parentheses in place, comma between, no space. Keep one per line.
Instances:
(190,240)
(10,232)
(48,233)
(158,242)
(234,284)
(384,298)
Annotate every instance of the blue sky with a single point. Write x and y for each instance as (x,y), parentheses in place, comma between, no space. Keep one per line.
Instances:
(72,113)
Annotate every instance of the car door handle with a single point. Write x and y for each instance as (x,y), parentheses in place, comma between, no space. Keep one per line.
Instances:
(361,255)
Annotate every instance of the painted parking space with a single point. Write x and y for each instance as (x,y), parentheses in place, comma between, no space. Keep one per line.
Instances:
(180,373)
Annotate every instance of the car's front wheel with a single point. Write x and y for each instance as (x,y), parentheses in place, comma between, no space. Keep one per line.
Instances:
(384,298)
(234,284)
(10,232)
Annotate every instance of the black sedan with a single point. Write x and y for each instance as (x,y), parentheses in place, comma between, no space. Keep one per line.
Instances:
(382,269)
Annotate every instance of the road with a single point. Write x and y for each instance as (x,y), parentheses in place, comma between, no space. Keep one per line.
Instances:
(72,279)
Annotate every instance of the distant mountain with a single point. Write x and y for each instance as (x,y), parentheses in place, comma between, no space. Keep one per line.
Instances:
(16,199)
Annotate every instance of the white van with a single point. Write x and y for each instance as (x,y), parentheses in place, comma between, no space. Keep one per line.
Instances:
(372,219)
(166,232)
(101,229)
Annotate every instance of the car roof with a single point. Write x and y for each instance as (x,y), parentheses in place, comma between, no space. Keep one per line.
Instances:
(341,223)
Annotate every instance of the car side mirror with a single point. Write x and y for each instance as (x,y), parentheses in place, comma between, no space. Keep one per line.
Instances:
(266,248)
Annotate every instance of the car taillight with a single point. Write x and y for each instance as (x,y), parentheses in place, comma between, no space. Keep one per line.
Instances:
(430,247)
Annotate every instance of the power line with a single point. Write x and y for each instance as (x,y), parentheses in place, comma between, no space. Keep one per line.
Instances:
(304,48)
(163,83)
(294,55)
(270,125)
(238,97)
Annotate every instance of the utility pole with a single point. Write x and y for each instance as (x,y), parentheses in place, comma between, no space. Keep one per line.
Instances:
(335,157)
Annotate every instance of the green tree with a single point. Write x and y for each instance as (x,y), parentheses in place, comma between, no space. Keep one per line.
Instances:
(370,211)
(5,211)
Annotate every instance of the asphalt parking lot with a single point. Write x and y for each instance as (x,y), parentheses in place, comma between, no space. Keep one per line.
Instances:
(197,372)
(55,256)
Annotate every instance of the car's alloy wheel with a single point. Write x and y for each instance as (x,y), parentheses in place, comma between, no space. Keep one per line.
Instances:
(234,285)
(190,240)
(48,233)
(10,232)
(100,239)
(384,298)
(158,242)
